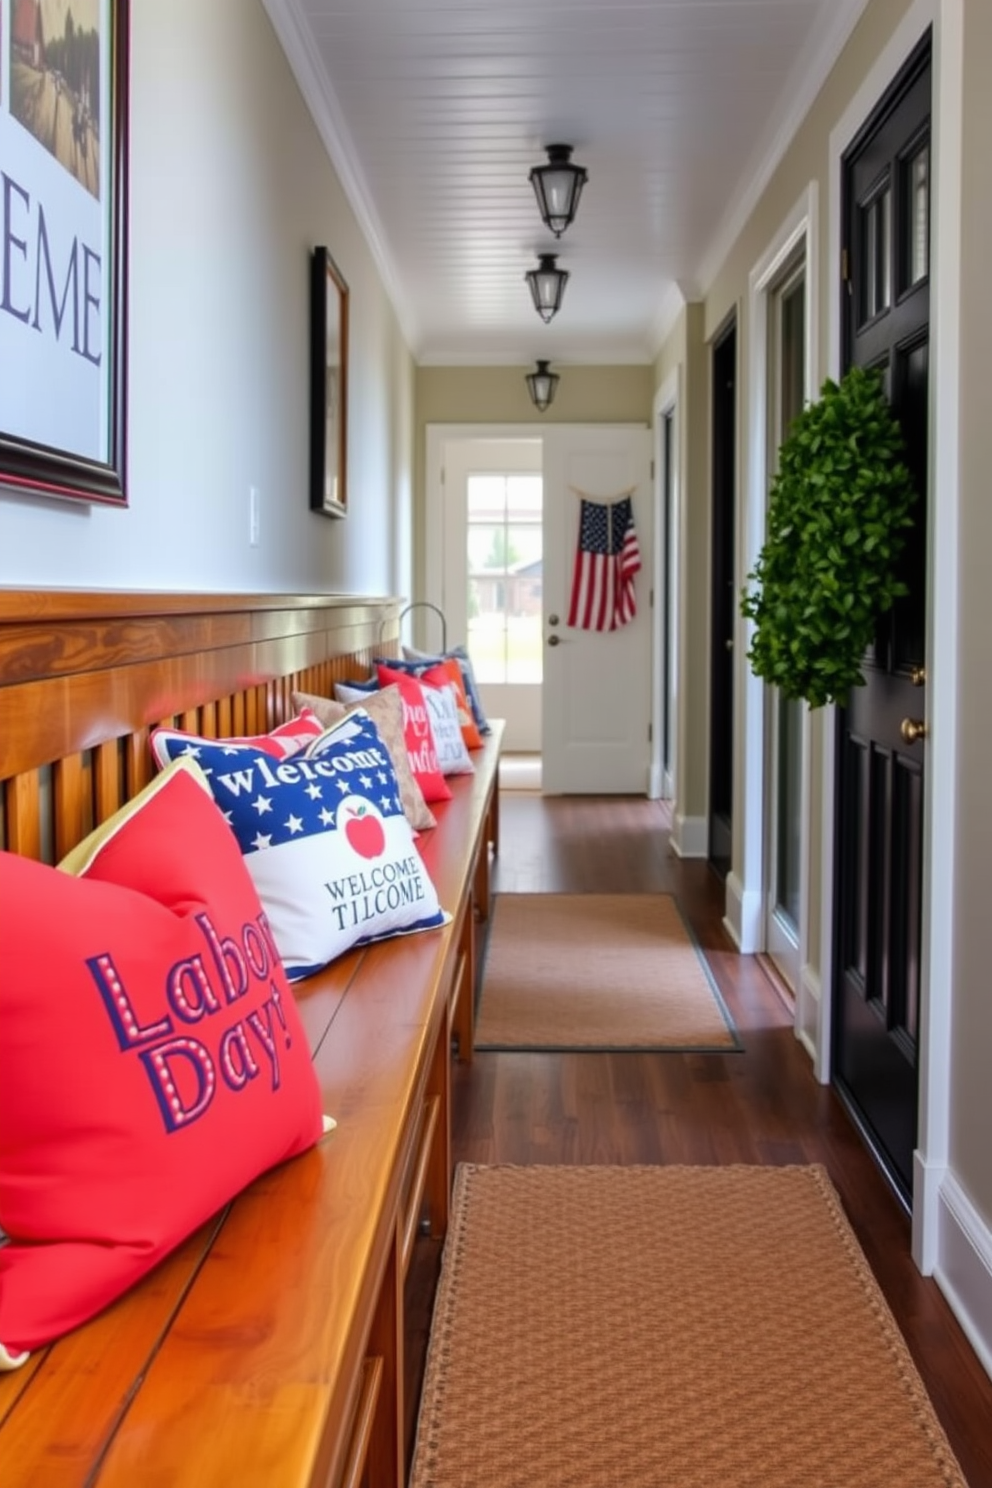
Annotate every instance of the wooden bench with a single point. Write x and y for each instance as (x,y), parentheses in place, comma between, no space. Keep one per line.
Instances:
(268,1350)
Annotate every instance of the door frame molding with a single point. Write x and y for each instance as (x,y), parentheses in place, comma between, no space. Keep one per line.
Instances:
(437,436)
(930,1159)
(746,891)
(667,402)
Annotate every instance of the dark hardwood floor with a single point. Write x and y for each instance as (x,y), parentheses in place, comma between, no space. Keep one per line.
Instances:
(759,1106)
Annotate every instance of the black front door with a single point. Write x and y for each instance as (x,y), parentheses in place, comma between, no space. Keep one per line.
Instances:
(723,613)
(881,751)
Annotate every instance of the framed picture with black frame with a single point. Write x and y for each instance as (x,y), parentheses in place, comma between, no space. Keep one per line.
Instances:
(63,272)
(328,386)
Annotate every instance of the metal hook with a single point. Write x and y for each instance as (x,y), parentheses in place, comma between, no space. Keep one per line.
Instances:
(421,604)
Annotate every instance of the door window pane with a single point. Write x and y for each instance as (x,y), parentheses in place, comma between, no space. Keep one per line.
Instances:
(789,806)
(918,226)
(876,247)
(505,563)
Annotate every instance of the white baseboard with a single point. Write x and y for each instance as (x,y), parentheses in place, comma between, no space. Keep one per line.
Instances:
(691,836)
(964,1270)
(808,1018)
(742,916)
(928,1178)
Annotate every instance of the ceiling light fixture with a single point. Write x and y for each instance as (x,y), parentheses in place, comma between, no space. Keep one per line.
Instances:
(542,386)
(547,286)
(558,186)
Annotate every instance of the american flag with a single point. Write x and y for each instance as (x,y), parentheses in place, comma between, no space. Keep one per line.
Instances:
(607,559)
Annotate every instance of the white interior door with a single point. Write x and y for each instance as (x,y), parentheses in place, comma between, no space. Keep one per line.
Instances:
(597,692)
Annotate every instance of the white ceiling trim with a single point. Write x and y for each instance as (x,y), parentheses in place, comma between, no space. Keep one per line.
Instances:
(819,55)
(293,34)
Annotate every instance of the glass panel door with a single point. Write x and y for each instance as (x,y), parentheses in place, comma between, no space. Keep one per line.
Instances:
(493,575)
(505,562)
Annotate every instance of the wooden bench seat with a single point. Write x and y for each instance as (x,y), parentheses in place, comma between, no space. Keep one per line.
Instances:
(268,1349)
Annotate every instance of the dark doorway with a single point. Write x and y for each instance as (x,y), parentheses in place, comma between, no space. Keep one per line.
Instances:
(723,599)
(881,751)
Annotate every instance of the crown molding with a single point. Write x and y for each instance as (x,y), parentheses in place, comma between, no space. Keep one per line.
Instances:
(293,34)
(835,23)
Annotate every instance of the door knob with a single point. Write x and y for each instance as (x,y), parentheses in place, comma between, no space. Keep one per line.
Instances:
(729,643)
(913,729)
(554,640)
(552,619)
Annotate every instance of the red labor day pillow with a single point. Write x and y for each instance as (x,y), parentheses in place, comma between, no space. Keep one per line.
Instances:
(153,1058)
(421,746)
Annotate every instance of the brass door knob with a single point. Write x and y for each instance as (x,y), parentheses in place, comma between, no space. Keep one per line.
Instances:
(912,729)
(554,640)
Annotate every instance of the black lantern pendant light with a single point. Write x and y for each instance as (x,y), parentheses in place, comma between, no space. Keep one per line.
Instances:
(542,386)
(547,286)
(558,186)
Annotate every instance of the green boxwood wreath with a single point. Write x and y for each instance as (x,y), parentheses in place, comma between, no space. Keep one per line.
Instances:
(837,519)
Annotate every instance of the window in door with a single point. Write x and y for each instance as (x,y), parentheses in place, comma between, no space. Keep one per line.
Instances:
(505,577)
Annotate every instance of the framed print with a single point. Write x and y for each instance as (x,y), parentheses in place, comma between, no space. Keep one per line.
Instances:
(63,268)
(328,386)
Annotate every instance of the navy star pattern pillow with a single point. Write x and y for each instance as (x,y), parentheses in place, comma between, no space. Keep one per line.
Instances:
(325,839)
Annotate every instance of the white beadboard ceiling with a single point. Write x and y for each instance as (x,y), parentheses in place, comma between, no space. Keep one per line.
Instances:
(434,111)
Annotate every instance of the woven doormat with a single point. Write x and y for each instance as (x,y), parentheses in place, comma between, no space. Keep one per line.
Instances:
(595,972)
(653,1327)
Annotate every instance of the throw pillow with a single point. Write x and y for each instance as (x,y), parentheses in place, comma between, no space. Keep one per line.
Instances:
(153,1058)
(460,654)
(287,739)
(421,746)
(452,755)
(385,708)
(354,692)
(326,842)
(449,670)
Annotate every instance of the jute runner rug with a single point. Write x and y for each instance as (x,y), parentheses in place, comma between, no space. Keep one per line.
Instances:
(597,971)
(666,1328)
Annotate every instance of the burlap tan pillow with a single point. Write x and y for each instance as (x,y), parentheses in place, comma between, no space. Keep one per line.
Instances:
(385,708)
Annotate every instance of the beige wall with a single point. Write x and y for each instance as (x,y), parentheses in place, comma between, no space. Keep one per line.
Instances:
(807,159)
(971,1111)
(498,395)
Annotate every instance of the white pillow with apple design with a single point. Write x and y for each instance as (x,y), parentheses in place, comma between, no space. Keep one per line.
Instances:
(326,841)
